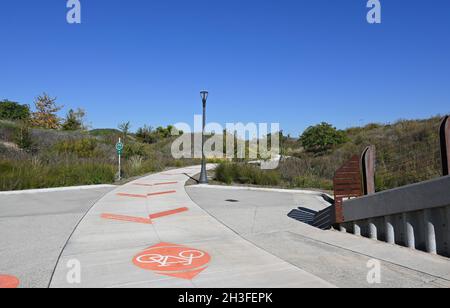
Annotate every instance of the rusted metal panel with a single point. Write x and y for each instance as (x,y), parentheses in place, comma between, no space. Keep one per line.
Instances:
(368,170)
(347,184)
(445,145)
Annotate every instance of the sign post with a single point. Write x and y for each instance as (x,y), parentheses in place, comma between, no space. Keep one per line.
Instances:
(119,149)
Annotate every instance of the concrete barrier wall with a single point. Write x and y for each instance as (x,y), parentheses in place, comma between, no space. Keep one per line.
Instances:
(415,216)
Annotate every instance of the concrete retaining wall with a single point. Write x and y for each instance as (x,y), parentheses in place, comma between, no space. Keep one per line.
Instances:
(415,216)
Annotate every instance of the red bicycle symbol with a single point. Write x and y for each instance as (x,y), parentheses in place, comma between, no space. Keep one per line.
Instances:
(173,260)
(185,258)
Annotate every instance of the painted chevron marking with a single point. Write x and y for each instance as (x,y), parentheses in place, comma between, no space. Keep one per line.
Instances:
(161,193)
(168,213)
(140,220)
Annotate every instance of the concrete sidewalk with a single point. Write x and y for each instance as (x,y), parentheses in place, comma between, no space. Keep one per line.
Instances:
(339,258)
(34,227)
(149,233)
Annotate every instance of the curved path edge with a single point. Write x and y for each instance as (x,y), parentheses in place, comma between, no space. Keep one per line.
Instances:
(149,233)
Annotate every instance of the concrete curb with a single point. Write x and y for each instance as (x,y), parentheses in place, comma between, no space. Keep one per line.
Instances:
(58,189)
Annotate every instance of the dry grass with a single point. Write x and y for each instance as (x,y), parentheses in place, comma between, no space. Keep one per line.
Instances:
(407,152)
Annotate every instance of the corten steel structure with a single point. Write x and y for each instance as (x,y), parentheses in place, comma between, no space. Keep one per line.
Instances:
(368,170)
(354,179)
(203,175)
(445,145)
(347,184)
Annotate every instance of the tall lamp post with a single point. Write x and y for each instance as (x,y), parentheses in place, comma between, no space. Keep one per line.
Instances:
(203,174)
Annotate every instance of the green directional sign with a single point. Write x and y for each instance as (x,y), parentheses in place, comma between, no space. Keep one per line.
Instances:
(119,148)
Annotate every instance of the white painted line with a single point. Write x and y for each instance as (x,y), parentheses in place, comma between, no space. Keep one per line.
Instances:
(291,191)
(58,189)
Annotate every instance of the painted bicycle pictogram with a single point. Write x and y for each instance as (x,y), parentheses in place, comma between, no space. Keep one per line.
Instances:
(173,260)
(185,257)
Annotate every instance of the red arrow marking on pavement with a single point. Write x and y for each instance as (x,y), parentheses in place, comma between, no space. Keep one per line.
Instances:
(131,195)
(162,193)
(168,213)
(140,220)
(147,221)
(8,282)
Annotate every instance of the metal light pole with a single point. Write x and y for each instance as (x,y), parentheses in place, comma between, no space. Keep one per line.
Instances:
(203,174)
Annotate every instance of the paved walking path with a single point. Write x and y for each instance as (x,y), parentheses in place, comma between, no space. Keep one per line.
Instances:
(261,217)
(149,233)
(34,227)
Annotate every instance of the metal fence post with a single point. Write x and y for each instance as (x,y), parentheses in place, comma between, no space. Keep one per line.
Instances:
(444,134)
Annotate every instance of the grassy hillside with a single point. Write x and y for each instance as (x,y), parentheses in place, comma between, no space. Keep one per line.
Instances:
(104,132)
(56,158)
(407,152)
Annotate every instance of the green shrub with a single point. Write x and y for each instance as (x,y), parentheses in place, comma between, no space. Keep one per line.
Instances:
(23,138)
(14,111)
(322,138)
(135,149)
(137,166)
(312,182)
(223,173)
(27,174)
(6,167)
(246,174)
(149,135)
(82,148)
(74,120)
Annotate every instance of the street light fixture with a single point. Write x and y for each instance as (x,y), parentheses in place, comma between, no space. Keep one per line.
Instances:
(203,174)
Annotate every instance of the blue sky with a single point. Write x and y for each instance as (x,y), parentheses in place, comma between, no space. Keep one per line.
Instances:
(296,62)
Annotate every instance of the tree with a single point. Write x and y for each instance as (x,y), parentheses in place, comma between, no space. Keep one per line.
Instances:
(125,129)
(14,111)
(74,120)
(322,138)
(46,112)
(164,133)
(146,135)
(149,135)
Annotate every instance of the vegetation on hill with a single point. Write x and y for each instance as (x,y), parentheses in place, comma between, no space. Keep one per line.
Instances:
(14,111)
(46,115)
(148,134)
(407,152)
(39,149)
(322,138)
(55,158)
